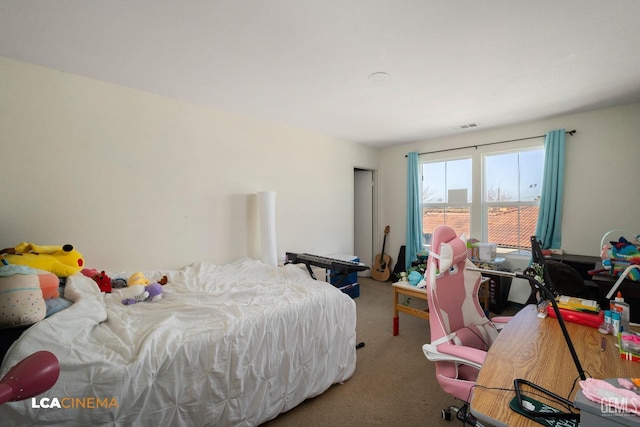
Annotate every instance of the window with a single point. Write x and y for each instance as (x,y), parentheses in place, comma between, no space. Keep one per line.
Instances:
(446,196)
(512,190)
(491,196)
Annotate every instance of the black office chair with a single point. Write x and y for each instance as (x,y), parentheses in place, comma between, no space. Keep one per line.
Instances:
(568,281)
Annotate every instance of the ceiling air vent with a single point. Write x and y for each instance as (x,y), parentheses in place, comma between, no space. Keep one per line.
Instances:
(469,126)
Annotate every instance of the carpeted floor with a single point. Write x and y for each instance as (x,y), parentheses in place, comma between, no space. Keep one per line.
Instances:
(394,384)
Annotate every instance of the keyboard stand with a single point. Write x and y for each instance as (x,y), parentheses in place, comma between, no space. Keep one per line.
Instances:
(311,273)
(341,275)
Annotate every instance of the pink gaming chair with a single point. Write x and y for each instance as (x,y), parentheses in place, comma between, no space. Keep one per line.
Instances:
(461,333)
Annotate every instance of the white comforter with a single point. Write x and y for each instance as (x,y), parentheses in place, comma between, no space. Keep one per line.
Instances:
(231,345)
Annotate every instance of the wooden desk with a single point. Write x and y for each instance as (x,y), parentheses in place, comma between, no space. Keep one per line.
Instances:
(534,349)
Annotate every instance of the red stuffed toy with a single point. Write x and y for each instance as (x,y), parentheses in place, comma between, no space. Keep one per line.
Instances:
(102,280)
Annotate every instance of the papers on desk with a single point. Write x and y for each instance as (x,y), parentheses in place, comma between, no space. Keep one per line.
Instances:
(578,310)
(578,304)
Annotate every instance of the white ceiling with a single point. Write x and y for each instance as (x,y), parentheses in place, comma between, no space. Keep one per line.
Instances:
(306,63)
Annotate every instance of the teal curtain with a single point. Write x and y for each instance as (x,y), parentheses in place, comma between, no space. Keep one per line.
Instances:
(414,224)
(549,225)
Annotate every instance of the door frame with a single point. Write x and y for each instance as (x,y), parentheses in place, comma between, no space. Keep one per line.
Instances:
(372,212)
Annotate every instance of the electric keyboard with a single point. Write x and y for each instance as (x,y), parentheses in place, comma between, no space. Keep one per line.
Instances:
(338,267)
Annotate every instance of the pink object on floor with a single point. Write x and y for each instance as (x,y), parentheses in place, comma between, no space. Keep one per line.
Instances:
(33,375)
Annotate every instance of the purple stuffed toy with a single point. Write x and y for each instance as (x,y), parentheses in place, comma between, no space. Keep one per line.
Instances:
(152,292)
(155,292)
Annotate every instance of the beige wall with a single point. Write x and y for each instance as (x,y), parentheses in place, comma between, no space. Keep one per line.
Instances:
(602,173)
(138,181)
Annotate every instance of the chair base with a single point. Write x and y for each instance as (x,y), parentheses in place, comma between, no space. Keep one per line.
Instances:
(462,414)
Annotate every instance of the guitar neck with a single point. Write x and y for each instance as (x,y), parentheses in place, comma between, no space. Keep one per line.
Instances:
(384,241)
(382,271)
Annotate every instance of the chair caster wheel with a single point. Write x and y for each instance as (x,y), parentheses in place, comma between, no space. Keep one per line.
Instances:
(446,414)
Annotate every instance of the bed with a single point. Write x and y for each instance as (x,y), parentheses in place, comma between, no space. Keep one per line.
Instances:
(231,345)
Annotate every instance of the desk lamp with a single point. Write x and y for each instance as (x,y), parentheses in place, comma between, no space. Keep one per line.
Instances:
(549,293)
(33,375)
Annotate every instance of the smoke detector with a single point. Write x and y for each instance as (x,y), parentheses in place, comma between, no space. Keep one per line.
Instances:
(378,76)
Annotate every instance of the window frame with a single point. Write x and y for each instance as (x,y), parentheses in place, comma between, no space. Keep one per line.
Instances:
(478,206)
(446,204)
(486,204)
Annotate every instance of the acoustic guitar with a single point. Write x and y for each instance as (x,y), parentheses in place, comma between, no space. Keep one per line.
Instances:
(381,270)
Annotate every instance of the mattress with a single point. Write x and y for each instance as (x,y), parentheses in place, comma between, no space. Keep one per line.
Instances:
(230,345)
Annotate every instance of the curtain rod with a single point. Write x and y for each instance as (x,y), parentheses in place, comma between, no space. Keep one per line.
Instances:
(570,132)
